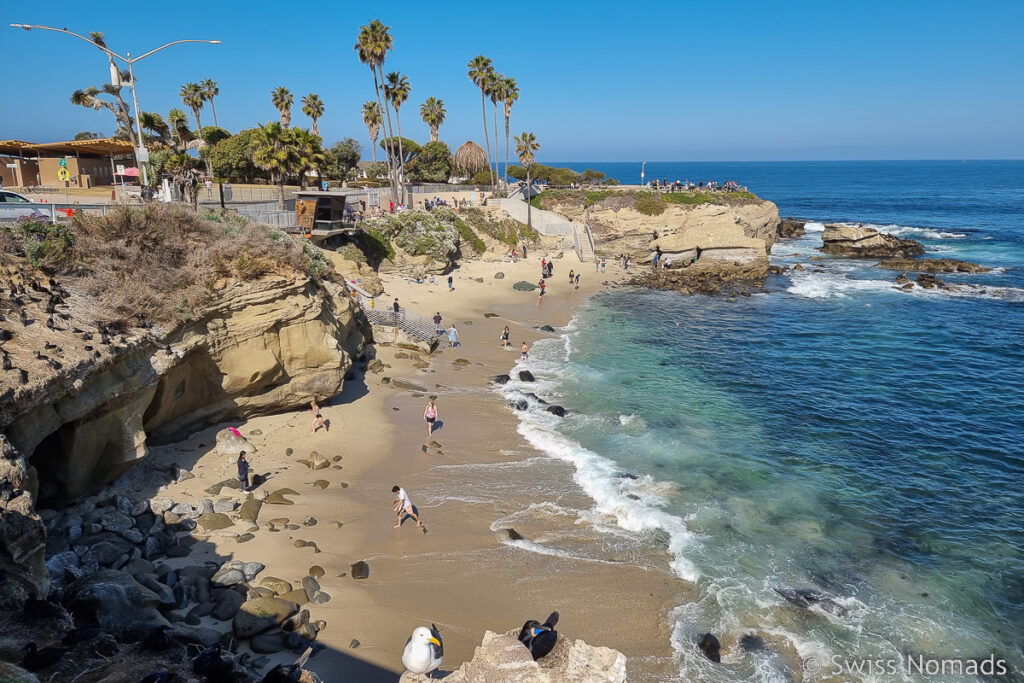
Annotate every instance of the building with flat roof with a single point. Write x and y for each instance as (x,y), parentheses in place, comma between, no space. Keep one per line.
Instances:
(88,162)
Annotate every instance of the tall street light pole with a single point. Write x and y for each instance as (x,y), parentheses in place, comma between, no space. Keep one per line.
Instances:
(141,154)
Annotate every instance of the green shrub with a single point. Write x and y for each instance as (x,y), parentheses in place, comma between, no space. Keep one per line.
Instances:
(508,231)
(648,204)
(376,246)
(46,246)
(469,237)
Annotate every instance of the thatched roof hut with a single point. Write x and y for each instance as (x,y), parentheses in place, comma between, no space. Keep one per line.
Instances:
(470,157)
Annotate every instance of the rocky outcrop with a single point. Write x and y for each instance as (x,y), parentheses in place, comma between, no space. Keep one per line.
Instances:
(932,265)
(707,277)
(501,657)
(23,572)
(259,346)
(625,230)
(858,241)
(790,228)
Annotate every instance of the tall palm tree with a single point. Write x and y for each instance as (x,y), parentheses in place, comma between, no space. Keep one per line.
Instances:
(526,145)
(480,69)
(371,117)
(372,47)
(192,96)
(210,90)
(177,123)
(496,91)
(185,173)
(511,94)
(313,107)
(282,100)
(433,113)
(396,91)
(273,149)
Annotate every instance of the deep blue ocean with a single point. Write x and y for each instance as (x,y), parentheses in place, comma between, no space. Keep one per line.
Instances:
(835,434)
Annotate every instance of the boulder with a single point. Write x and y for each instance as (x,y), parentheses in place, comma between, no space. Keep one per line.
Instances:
(360,570)
(228,605)
(849,240)
(710,647)
(269,643)
(501,379)
(518,404)
(526,376)
(499,276)
(212,521)
(321,484)
(524,286)
(116,601)
(556,410)
(250,510)
(318,462)
(227,483)
(278,497)
(230,445)
(261,614)
(316,571)
(789,228)
(279,586)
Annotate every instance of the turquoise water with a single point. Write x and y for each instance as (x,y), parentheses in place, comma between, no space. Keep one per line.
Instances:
(834,434)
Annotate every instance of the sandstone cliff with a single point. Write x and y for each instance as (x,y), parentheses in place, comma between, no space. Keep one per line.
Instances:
(733,231)
(259,346)
(850,240)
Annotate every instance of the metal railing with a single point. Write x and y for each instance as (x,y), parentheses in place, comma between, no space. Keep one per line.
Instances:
(410,322)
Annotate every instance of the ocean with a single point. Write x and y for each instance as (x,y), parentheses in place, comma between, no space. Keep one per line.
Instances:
(834,435)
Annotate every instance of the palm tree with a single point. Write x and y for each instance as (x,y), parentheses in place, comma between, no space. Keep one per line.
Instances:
(480,69)
(210,90)
(192,96)
(282,101)
(511,94)
(526,145)
(372,47)
(273,149)
(90,98)
(313,107)
(396,91)
(177,123)
(309,153)
(185,173)
(433,112)
(496,90)
(371,117)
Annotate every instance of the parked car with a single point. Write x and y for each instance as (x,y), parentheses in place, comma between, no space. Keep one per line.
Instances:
(14,206)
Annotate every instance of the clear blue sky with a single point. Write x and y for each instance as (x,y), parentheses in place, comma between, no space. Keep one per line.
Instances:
(600,81)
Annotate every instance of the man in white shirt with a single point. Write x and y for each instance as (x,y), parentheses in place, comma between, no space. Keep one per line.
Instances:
(403,506)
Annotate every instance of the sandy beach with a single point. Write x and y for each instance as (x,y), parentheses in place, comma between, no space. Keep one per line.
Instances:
(457,573)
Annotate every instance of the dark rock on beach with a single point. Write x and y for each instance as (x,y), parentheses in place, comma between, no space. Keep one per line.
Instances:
(556,410)
(501,379)
(809,597)
(360,570)
(526,376)
(710,646)
(524,286)
(789,228)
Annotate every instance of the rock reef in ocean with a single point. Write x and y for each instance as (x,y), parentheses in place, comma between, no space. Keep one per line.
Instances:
(932,265)
(858,241)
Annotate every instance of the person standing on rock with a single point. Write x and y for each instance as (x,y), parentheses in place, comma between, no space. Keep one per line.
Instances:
(430,415)
(318,420)
(404,506)
(243,471)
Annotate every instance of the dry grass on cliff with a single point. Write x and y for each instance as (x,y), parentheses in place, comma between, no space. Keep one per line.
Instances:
(159,262)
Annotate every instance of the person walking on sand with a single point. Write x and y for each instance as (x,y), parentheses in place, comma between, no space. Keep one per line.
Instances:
(604,263)
(318,420)
(541,285)
(451,285)
(524,251)
(243,471)
(524,352)
(430,415)
(403,506)
(504,338)
(437,323)
(543,268)
(577,280)
(572,275)
(453,337)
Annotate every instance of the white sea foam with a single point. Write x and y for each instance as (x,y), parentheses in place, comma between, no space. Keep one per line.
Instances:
(910,231)
(829,285)
(814,226)
(599,477)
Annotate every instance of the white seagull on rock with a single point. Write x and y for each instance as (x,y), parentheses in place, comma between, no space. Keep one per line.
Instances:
(423,650)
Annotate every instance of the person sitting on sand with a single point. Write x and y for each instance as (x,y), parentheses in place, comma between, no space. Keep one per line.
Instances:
(403,506)
(504,338)
(243,471)
(318,420)
(524,352)
(430,415)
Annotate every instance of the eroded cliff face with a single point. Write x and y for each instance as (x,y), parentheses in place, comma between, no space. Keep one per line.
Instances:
(734,231)
(259,346)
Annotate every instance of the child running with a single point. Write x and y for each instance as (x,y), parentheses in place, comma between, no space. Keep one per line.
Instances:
(403,506)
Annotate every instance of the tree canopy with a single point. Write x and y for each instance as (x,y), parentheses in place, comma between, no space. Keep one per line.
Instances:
(432,165)
(232,158)
(409,148)
(343,156)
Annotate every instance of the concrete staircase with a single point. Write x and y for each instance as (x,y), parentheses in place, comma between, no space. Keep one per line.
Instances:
(381,313)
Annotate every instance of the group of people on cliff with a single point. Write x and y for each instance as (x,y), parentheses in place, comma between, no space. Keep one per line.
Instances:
(701,186)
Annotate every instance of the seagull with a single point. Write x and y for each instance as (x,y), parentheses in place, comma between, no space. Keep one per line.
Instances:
(538,638)
(423,651)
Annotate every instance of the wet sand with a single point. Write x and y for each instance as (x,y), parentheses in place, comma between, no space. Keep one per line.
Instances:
(459,574)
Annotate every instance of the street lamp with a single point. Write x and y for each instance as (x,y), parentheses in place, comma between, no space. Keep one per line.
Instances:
(141,153)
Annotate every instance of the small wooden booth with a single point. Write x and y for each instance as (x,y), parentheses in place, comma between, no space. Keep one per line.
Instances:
(322,214)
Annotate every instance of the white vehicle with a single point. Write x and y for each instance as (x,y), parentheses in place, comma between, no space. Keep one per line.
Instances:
(14,206)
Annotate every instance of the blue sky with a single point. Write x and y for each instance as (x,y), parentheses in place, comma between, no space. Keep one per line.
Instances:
(600,81)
